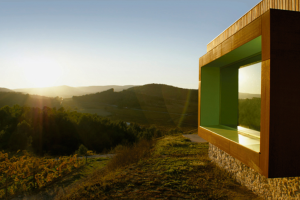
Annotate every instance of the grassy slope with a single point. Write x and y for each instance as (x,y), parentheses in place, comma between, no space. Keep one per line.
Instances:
(176,169)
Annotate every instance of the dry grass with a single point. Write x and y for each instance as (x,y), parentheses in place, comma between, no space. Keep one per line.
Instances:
(174,169)
(126,155)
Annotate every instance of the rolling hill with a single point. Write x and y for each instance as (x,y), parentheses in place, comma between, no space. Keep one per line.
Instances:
(13,98)
(157,104)
(148,104)
(157,95)
(166,92)
(5,90)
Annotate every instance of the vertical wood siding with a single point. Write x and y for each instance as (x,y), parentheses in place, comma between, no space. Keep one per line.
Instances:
(250,16)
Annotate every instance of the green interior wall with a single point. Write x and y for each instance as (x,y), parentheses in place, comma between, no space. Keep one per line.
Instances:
(219,85)
(210,89)
(229,96)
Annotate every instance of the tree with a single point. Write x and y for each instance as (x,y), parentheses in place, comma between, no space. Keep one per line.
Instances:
(19,138)
(82,150)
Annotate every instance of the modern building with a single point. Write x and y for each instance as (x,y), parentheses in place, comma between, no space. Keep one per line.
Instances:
(249,89)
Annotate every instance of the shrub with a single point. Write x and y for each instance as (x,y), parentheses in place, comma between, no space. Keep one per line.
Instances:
(131,154)
(82,150)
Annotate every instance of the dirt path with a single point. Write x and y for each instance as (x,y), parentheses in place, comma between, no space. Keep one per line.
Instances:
(195,138)
(99,156)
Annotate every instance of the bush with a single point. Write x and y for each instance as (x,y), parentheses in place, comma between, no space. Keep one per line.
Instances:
(249,113)
(175,131)
(131,154)
(82,150)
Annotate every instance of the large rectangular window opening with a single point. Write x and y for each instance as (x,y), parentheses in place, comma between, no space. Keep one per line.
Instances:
(230,95)
(231,101)
(249,99)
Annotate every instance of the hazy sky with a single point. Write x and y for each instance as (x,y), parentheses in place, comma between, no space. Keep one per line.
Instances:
(250,79)
(105,42)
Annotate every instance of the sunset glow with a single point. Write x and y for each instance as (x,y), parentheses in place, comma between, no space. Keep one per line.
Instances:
(40,71)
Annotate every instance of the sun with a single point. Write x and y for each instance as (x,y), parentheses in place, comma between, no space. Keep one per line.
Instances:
(40,71)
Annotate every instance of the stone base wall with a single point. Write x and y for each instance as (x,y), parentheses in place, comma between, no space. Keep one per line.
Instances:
(268,188)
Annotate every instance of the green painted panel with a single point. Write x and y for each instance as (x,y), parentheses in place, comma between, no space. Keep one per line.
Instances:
(229,96)
(210,95)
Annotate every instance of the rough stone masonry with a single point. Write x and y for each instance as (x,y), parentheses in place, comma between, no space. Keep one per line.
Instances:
(268,188)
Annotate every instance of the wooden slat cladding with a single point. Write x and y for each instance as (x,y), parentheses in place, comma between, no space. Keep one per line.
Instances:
(266,41)
(265,118)
(200,65)
(226,46)
(248,33)
(250,16)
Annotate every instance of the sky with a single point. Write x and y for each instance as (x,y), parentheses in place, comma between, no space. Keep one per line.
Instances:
(109,42)
(250,78)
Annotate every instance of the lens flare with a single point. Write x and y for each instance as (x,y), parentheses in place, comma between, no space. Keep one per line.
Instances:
(186,105)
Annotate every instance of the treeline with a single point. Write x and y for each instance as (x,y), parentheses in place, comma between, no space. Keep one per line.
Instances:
(249,113)
(60,132)
(13,98)
(166,92)
(126,98)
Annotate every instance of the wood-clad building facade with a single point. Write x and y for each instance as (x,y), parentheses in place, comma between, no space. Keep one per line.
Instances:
(254,13)
(269,33)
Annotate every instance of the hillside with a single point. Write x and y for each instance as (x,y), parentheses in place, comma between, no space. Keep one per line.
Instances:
(67,91)
(158,104)
(5,90)
(148,104)
(166,92)
(157,95)
(127,98)
(13,98)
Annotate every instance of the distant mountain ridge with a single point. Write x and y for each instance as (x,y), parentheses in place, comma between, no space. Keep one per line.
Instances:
(248,95)
(67,91)
(150,94)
